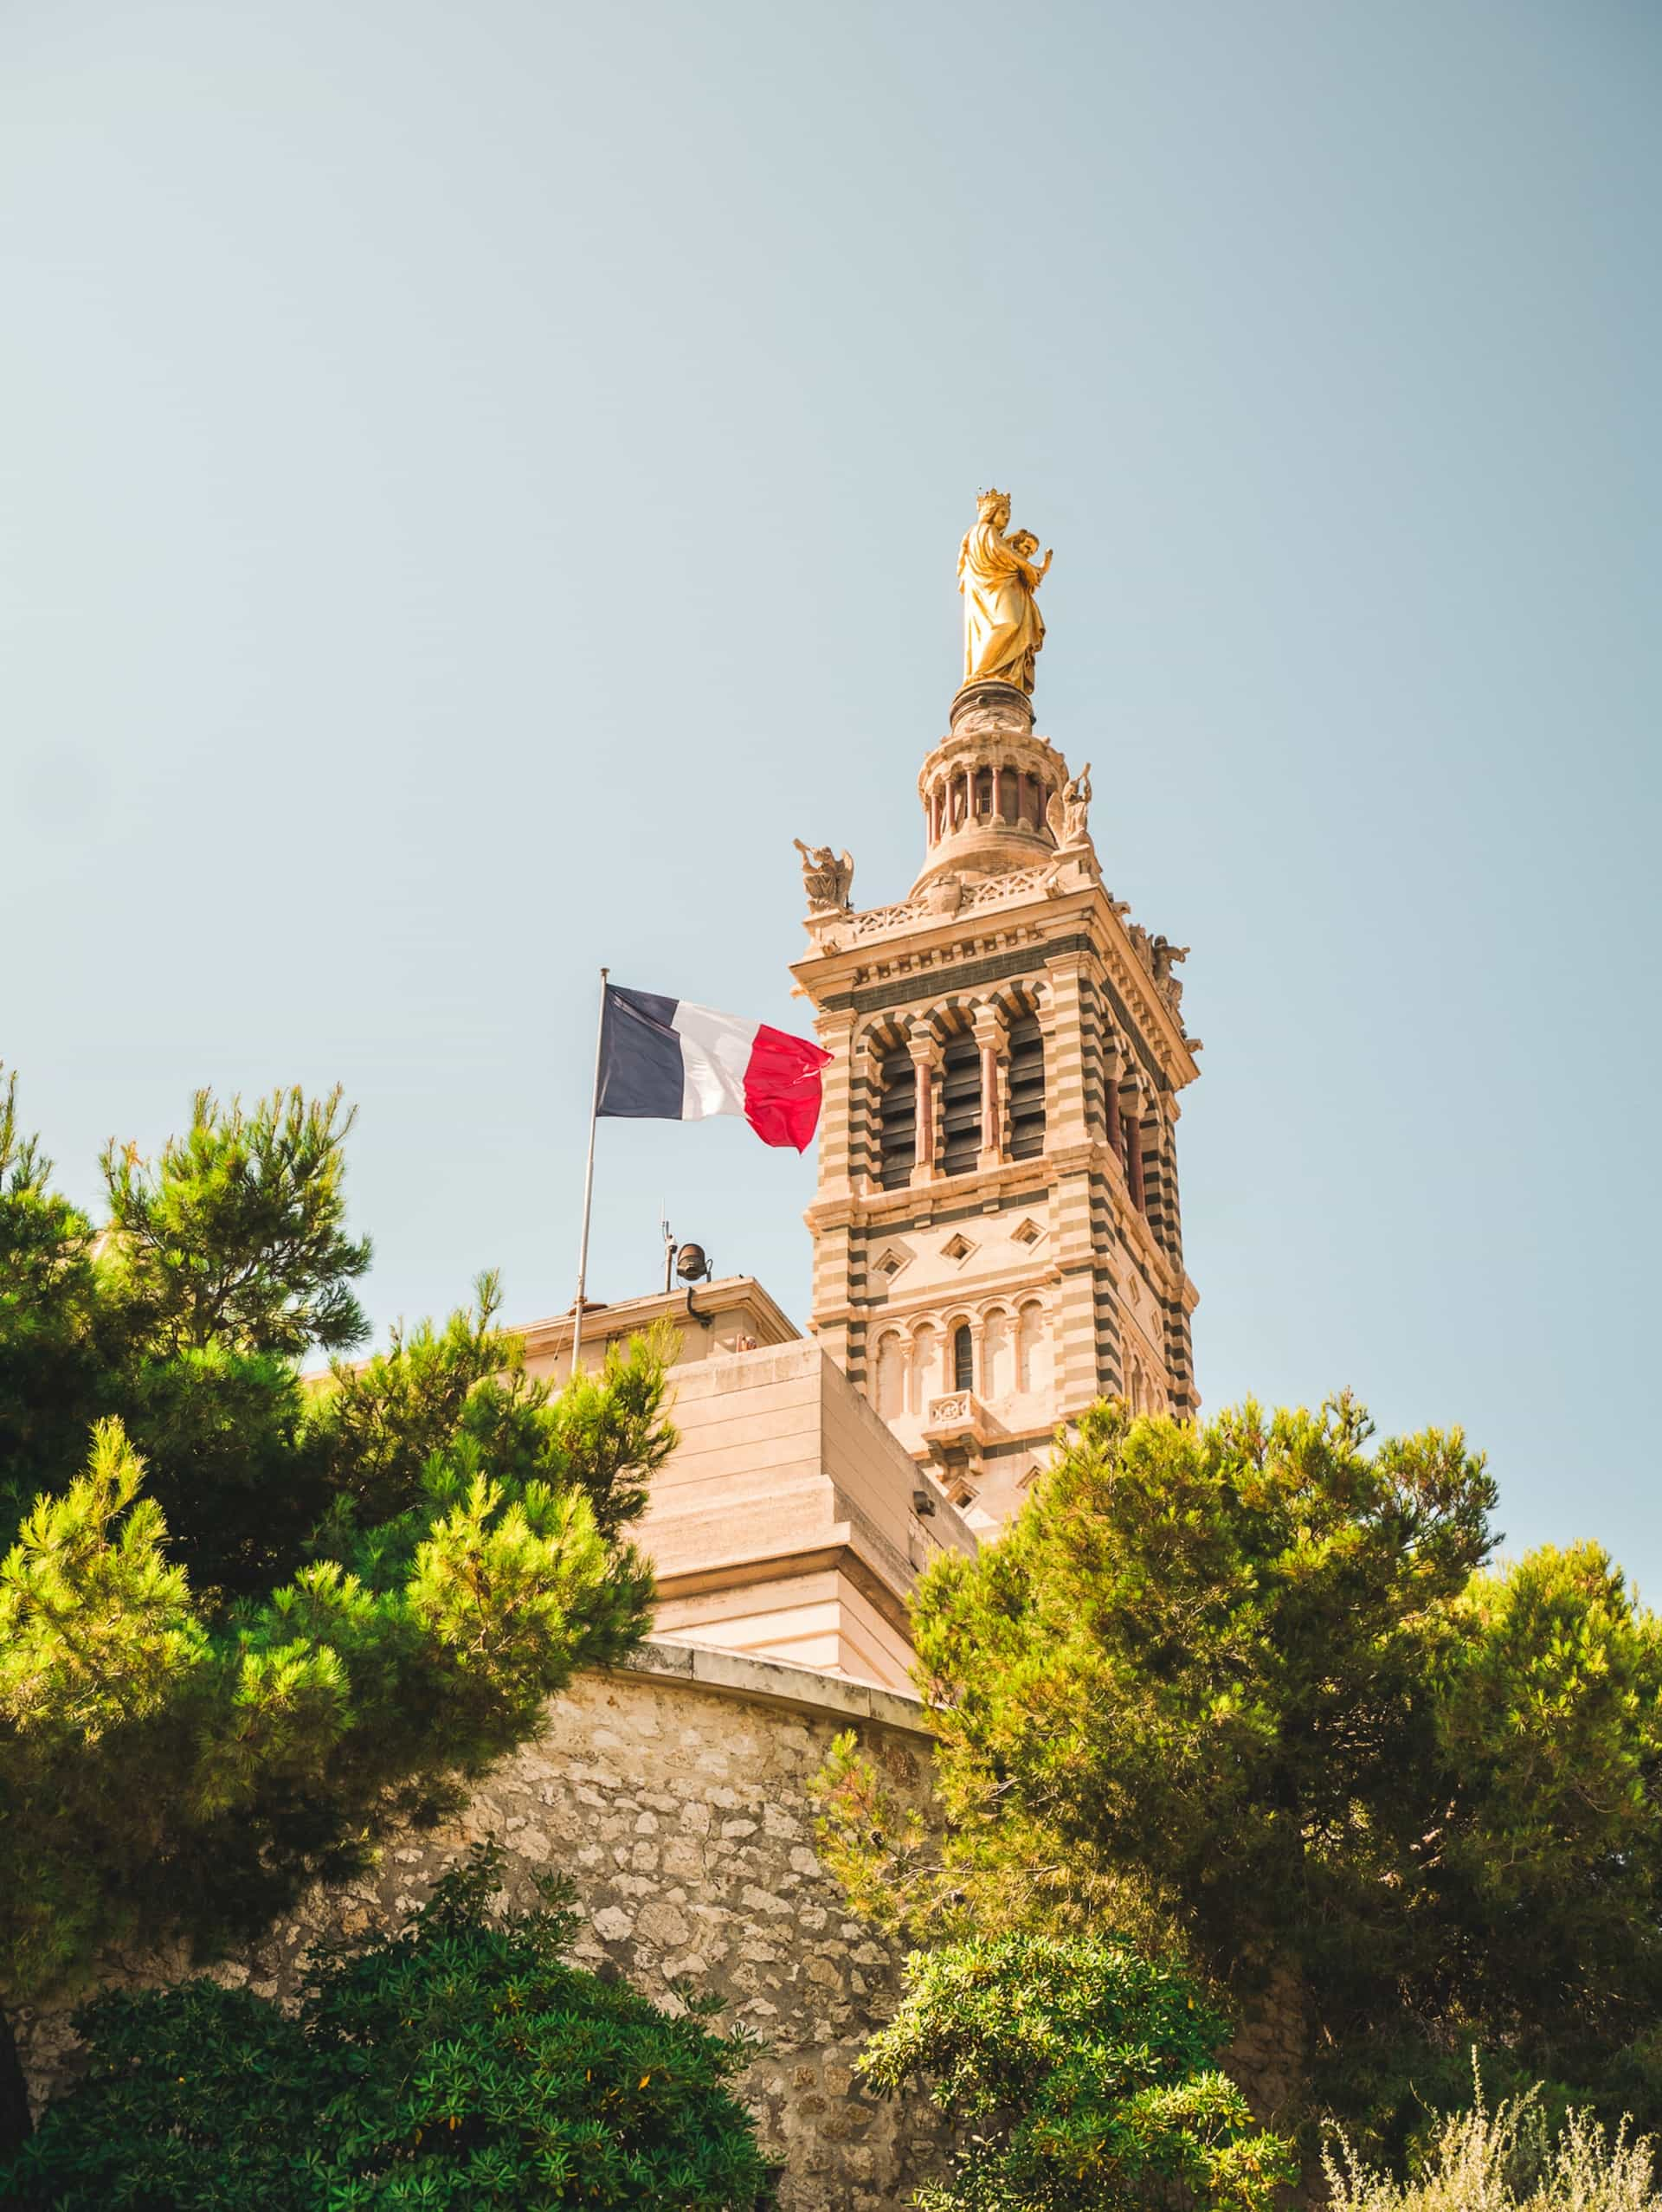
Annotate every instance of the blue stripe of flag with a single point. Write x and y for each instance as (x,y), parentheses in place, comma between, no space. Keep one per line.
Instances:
(642,1076)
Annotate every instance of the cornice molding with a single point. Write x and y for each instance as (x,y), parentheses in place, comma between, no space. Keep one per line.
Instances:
(920,959)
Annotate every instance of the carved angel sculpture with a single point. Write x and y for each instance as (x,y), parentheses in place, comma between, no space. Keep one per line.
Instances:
(1068,809)
(1164,954)
(826,878)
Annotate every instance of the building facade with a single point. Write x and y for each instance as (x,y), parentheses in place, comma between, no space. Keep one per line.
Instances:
(789,1523)
(997,1239)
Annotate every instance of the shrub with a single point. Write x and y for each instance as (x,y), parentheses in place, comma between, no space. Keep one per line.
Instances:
(1507,2159)
(461,2061)
(1086,2072)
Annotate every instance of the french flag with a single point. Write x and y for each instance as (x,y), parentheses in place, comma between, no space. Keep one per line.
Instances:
(668,1060)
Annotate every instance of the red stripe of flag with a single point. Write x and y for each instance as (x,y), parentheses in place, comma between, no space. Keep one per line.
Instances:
(783,1088)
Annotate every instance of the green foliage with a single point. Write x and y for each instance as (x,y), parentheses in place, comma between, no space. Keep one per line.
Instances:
(246,1620)
(1548,1710)
(218,1265)
(1200,1649)
(1505,2158)
(461,2061)
(53,1358)
(164,1765)
(1251,1682)
(1086,2072)
(880,1847)
(235,1235)
(379,1427)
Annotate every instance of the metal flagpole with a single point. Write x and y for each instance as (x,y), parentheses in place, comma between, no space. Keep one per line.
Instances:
(588,1185)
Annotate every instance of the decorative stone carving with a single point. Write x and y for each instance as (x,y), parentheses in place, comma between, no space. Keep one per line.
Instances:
(1067,811)
(945,896)
(1163,953)
(881,921)
(827,879)
(986,709)
(1021,883)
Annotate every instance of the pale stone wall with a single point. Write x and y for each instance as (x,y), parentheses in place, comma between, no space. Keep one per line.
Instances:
(784,1524)
(674,1794)
(733,1313)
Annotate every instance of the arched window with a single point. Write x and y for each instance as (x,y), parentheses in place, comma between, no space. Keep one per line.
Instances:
(1032,1348)
(924,1379)
(984,791)
(960,1106)
(1026,1066)
(998,1357)
(892,1375)
(897,1139)
(963,1357)
(1142,1392)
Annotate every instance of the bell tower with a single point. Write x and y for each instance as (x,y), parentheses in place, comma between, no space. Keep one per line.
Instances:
(997,1235)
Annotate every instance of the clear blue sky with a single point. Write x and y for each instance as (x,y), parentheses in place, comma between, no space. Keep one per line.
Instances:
(476,482)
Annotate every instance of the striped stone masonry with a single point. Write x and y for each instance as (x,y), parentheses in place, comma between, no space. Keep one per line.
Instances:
(1048,1280)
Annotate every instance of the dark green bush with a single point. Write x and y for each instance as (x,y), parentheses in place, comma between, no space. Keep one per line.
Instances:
(460,2062)
(1086,2074)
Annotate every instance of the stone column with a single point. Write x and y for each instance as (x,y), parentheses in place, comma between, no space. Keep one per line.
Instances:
(835,1032)
(1064,1025)
(1161,1177)
(1073,1254)
(846,1084)
(989,1035)
(865,1105)
(920,1043)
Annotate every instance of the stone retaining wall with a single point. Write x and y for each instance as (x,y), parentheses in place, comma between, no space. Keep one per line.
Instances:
(674,1794)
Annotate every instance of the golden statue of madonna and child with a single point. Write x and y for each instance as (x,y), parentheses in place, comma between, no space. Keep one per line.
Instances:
(999,577)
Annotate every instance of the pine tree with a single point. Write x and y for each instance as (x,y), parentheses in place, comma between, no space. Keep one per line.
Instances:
(248,1622)
(1251,1687)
